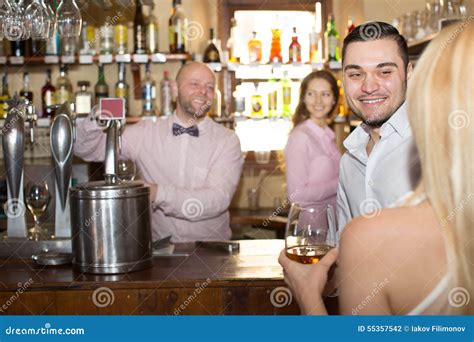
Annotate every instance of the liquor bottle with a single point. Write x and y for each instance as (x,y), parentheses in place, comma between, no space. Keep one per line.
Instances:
(121,87)
(139,30)
(152,34)
(286,91)
(83,98)
(52,45)
(272,96)
(275,47)
(5,97)
(69,46)
(211,54)
(87,39)
(120,36)
(216,109)
(101,89)
(18,48)
(350,26)
(48,92)
(38,47)
(25,92)
(148,93)
(255,49)
(294,51)
(314,37)
(63,87)
(332,36)
(177,26)
(232,47)
(166,96)
(256,104)
(106,39)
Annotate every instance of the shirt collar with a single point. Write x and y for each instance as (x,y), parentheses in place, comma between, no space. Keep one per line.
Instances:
(319,131)
(357,141)
(398,121)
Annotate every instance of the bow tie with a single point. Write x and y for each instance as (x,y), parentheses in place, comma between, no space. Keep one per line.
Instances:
(192,131)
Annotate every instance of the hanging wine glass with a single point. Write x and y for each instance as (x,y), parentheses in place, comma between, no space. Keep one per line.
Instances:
(69,19)
(16,25)
(50,21)
(36,14)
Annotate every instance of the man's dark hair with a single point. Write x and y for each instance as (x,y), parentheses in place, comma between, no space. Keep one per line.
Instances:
(376,30)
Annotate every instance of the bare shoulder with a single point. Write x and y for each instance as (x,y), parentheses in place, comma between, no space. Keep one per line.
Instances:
(394,229)
(403,248)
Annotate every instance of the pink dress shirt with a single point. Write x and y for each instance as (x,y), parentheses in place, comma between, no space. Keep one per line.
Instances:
(196,176)
(312,165)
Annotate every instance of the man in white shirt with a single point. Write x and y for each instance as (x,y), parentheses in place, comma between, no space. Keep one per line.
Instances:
(381,164)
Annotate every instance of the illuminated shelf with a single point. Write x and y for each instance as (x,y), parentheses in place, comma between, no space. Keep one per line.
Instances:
(84,60)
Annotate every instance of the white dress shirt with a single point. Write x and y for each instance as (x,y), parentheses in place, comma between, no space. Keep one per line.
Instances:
(369,183)
(196,176)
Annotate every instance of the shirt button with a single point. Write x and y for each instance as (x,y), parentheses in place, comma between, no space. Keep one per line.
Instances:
(370,183)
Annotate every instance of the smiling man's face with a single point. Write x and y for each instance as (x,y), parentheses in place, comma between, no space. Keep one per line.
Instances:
(375,80)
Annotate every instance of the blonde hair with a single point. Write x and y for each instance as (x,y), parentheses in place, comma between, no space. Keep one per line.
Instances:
(441,115)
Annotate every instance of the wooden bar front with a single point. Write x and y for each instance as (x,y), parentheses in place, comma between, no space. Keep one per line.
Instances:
(207,282)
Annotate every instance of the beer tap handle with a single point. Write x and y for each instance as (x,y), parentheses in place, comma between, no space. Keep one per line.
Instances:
(31,118)
(73,120)
(119,133)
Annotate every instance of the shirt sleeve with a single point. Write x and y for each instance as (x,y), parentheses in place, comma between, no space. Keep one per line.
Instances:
(215,196)
(303,184)
(344,214)
(91,139)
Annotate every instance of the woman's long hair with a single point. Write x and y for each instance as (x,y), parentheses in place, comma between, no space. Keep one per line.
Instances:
(301,112)
(440,107)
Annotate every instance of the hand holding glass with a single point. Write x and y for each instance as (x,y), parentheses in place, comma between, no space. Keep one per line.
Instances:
(310,232)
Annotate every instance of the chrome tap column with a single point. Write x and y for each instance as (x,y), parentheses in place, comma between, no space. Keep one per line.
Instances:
(61,141)
(13,142)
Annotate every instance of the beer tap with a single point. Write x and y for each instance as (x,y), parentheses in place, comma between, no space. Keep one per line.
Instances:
(61,140)
(13,142)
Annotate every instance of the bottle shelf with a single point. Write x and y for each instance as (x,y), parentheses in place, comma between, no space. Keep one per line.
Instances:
(265,71)
(88,59)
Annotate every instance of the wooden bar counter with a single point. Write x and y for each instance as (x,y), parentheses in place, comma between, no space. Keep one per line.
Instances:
(207,282)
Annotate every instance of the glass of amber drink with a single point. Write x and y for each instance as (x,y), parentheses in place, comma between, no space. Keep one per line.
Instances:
(310,232)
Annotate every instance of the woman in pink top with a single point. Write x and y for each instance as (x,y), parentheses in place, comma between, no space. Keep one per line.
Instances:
(311,155)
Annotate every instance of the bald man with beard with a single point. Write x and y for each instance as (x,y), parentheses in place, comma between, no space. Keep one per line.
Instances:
(191,163)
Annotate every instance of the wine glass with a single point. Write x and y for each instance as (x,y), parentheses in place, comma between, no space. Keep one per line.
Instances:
(69,20)
(16,25)
(310,232)
(126,169)
(37,198)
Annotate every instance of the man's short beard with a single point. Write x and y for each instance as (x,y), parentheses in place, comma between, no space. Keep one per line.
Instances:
(373,123)
(191,112)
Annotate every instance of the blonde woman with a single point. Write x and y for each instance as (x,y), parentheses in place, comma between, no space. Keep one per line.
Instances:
(415,259)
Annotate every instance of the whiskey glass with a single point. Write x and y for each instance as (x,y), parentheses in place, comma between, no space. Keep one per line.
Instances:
(310,232)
